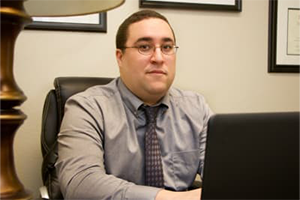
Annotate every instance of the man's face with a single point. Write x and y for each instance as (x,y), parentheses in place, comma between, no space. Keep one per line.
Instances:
(147,76)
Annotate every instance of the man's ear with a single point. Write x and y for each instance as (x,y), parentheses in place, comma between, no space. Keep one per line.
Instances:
(119,56)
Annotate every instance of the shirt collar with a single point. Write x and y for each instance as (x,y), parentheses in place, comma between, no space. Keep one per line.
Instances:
(166,100)
(133,102)
(130,100)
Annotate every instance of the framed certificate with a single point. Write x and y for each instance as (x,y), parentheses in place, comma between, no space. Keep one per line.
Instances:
(89,23)
(222,5)
(284,36)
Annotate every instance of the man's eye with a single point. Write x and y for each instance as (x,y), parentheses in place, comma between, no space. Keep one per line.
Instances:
(144,47)
(167,47)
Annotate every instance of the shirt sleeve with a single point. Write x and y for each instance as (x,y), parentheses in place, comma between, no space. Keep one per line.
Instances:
(206,114)
(80,165)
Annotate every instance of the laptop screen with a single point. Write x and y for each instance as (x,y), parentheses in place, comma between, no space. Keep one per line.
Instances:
(252,156)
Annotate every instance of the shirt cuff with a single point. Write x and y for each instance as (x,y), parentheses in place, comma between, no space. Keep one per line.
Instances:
(139,192)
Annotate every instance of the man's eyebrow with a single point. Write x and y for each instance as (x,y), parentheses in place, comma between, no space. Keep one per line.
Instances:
(149,39)
(144,39)
(167,40)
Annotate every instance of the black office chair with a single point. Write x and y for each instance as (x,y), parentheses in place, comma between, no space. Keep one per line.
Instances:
(52,115)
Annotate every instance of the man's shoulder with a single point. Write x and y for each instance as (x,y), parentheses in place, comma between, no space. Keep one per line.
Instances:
(186,98)
(103,91)
(189,102)
(177,93)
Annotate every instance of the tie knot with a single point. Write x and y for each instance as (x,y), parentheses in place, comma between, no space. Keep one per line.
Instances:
(151,113)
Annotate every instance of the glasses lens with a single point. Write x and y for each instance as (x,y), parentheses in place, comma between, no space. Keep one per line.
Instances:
(167,49)
(145,49)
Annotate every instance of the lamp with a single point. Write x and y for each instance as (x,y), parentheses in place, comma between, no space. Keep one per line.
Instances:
(14,15)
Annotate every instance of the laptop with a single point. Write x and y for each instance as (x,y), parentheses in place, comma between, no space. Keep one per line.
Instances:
(252,156)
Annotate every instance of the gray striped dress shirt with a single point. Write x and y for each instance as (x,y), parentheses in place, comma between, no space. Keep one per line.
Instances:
(101,143)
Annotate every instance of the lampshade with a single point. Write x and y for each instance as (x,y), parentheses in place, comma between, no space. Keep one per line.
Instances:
(58,8)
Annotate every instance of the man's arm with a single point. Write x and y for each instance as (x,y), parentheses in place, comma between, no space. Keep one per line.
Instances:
(206,114)
(186,195)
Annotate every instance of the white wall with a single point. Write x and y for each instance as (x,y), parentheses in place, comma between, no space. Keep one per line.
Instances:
(222,55)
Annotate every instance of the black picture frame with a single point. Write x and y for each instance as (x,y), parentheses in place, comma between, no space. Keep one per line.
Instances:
(201,5)
(63,26)
(273,66)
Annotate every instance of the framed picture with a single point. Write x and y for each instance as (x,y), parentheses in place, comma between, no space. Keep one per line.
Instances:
(284,36)
(88,23)
(224,5)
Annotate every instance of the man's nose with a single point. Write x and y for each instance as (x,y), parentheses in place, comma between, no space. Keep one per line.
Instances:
(157,55)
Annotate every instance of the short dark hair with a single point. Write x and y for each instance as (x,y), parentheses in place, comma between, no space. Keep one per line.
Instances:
(122,34)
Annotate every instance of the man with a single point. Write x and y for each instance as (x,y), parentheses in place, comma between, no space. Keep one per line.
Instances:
(104,143)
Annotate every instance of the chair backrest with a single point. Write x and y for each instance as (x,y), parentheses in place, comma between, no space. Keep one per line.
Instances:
(52,115)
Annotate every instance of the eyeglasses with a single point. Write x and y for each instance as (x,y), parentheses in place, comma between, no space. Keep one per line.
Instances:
(149,49)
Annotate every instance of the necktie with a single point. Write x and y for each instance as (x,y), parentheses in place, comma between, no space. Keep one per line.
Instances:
(153,165)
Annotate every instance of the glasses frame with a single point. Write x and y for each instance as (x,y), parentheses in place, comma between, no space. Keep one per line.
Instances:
(151,53)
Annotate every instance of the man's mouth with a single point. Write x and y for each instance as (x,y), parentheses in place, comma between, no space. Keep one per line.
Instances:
(156,72)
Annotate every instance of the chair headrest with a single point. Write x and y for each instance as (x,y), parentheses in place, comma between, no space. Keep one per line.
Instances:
(65,87)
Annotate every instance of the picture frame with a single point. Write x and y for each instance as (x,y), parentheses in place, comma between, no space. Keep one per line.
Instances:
(86,23)
(284,39)
(217,5)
